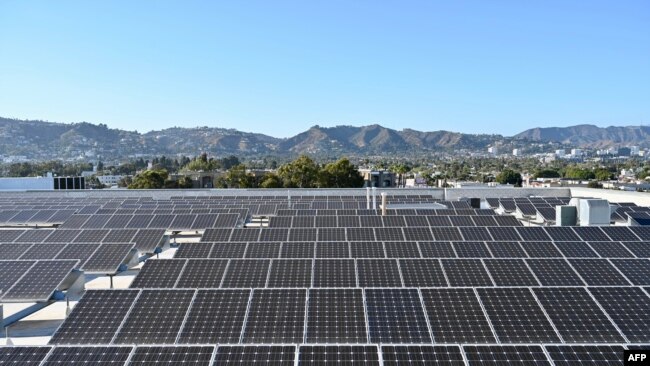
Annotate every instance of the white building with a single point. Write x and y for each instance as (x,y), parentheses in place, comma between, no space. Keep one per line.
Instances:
(576,152)
(494,150)
(109,180)
(560,152)
(515,152)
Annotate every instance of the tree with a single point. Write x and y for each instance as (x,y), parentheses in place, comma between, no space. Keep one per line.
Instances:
(547,173)
(594,184)
(300,173)
(237,177)
(574,172)
(185,182)
(603,174)
(509,176)
(271,180)
(149,179)
(340,174)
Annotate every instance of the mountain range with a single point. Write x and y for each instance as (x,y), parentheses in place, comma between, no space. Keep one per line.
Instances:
(39,140)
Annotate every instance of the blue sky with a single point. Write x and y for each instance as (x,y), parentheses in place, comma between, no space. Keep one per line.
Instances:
(279,67)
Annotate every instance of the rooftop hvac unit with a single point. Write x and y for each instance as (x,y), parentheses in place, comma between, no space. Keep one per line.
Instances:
(566,215)
(593,212)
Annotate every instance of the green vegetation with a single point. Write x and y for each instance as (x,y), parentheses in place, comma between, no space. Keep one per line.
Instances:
(509,176)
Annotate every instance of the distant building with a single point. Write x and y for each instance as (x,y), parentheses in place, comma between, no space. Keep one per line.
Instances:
(378,178)
(47,183)
(494,150)
(515,152)
(560,152)
(110,180)
(576,153)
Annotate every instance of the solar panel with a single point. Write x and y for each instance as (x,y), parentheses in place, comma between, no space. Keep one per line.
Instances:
(332,250)
(12,271)
(367,249)
(336,316)
(590,233)
(421,355)
(33,236)
(396,316)
(159,273)
(446,233)
(176,355)
(378,273)
(276,316)
(610,249)
(290,273)
(246,234)
(334,273)
(466,272)
(280,221)
(216,235)
(278,234)
(471,249)
(643,232)
(161,221)
(84,326)
(246,273)
(75,221)
(619,233)
(91,236)
(371,221)
(228,250)
(628,308)
(147,240)
(416,221)
(263,250)
(204,220)
(100,356)
(140,221)
(96,221)
(402,249)
(360,234)
(576,249)
(562,233)
(40,251)
(506,249)
(194,250)
(325,221)
(10,235)
(567,355)
(302,234)
(482,220)
(541,249)
(23,355)
(62,236)
(107,258)
(242,355)
(516,317)
(143,324)
(533,233)
(439,221)
(216,316)
(504,233)
(520,355)
(304,221)
(576,316)
(349,221)
(636,270)
(331,234)
(297,250)
(338,355)
(456,316)
(510,272)
(547,213)
(554,272)
(437,249)
(461,221)
(507,221)
(118,221)
(40,281)
(202,273)
(120,236)
(598,272)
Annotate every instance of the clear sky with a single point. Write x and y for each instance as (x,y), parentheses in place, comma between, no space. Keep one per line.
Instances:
(279,67)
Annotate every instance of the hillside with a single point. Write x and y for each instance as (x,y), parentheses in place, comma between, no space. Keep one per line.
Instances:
(590,135)
(39,140)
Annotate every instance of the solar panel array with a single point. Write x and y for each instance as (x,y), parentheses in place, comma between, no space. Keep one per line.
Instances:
(329,282)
